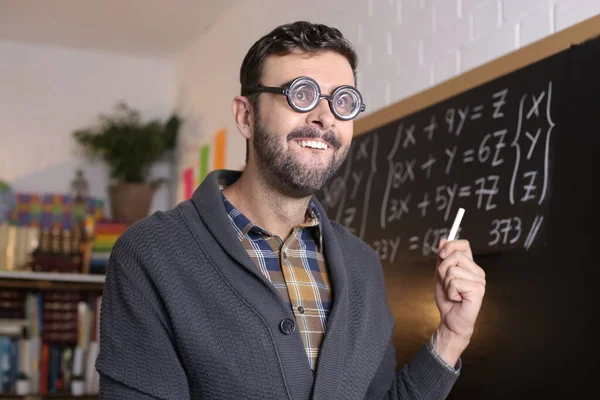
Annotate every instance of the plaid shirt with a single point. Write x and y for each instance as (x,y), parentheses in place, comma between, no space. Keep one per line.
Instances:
(296,268)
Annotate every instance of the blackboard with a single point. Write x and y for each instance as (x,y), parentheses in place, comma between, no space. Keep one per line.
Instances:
(517,153)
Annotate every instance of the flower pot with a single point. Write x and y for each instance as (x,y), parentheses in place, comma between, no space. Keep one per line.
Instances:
(22,387)
(130,202)
(77,387)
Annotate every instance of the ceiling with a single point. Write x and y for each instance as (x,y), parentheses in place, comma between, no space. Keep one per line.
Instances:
(155,28)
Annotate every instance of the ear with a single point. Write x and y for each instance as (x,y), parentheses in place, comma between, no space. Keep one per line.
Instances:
(243,115)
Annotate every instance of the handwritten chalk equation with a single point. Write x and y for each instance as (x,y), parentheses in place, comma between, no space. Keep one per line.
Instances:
(503,231)
(491,158)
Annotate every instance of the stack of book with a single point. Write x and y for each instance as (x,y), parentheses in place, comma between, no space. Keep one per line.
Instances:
(106,234)
(16,245)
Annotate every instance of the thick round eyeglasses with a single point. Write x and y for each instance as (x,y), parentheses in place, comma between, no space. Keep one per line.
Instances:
(304,93)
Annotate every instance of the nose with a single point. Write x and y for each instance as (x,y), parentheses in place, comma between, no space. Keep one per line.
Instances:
(321,116)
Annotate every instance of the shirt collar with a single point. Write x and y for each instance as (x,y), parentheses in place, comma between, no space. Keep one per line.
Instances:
(244,225)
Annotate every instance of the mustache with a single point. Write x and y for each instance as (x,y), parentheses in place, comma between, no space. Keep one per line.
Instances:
(328,137)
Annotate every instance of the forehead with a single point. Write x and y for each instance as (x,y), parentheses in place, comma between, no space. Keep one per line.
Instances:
(328,68)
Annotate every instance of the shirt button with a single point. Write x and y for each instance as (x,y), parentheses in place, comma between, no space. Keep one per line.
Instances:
(284,254)
(301,310)
(287,326)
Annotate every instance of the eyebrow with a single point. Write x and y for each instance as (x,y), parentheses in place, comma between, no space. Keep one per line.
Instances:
(288,83)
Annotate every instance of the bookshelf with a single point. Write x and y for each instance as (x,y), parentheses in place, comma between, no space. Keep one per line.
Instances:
(54,396)
(46,299)
(50,280)
(54,249)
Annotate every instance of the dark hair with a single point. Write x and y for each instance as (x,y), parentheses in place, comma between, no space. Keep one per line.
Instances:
(285,39)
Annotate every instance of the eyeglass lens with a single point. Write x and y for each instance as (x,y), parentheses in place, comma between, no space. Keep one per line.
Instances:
(304,94)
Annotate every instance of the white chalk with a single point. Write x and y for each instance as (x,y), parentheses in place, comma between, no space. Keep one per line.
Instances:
(456,224)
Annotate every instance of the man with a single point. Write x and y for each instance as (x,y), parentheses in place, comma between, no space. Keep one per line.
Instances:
(248,290)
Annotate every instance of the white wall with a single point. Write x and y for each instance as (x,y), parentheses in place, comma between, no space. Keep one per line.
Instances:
(47,92)
(404,46)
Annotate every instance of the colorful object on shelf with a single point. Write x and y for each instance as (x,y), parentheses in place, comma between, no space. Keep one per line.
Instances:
(105,235)
(60,250)
(57,211)
(28,210)
(7,200)
(54,210)
(59,242)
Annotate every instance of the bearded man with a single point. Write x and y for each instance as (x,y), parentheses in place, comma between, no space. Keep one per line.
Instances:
(248,290)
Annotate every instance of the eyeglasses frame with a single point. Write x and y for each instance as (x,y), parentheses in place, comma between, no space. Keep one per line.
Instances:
(286,92)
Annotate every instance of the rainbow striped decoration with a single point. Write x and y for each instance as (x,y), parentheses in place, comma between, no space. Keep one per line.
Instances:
(106,234)
(191,177)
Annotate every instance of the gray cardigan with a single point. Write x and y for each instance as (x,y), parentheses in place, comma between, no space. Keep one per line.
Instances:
(187,315)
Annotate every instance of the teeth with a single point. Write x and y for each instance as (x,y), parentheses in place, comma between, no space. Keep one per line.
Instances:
(313,144)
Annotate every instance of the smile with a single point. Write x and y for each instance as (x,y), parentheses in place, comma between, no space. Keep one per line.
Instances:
(313,144)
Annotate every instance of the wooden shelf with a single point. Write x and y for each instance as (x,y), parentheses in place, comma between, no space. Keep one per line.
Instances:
(50,280)
(54,396)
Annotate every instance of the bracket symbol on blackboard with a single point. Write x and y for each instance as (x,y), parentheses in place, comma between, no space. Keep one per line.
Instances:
(363,223)
(388,187)
(533,139)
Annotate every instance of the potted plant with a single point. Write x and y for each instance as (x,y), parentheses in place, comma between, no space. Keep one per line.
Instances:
(129,146)
(77,385)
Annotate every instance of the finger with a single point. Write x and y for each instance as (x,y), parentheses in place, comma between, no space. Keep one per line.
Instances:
(440,248)
(452,246)
(460,289)
(442,243)
(461,260)
(455,272)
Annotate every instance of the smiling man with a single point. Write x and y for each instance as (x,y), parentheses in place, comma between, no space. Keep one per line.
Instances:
(247,290)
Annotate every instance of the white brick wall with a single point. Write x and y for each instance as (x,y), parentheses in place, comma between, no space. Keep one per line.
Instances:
(485,19)
(535,26)
(404,46)
(500,41)
(570,12)
(446,66)
(515,9)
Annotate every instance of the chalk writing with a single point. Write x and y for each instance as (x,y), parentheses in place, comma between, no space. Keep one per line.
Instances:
(488,155)
(386,248)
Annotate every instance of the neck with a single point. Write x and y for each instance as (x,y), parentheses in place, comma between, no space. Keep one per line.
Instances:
(265,206)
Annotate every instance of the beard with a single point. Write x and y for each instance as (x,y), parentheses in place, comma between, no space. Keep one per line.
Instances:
(281,169)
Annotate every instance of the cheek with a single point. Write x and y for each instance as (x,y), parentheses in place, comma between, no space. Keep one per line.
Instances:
(279,118)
